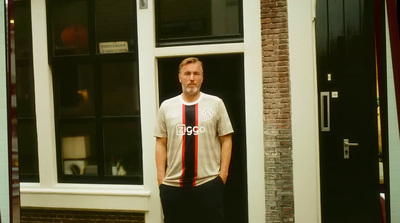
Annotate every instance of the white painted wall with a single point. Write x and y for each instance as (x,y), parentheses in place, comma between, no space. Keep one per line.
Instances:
(304,110)
(394,138)
(4,188)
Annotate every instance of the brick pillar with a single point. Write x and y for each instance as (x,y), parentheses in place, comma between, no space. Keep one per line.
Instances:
(277,122)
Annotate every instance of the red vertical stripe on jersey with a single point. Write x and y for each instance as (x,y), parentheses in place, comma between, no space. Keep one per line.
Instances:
(183,145)
(196,145)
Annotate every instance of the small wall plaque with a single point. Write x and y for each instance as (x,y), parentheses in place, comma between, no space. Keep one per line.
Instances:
(114,47)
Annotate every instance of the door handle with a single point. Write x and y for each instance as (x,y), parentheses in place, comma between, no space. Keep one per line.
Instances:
(346,147)
(325,111)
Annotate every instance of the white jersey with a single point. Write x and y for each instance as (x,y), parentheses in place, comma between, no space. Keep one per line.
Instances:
(193,145)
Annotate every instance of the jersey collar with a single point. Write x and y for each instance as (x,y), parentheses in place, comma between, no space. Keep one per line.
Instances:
(191,103)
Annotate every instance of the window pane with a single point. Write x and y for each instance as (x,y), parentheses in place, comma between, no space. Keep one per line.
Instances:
(122,149)
(27,150)
(70,27)
(120,88)
(22,29)
(115,22)
(78,149)
(197,19)
(25,93)
(25,90)
(76,86)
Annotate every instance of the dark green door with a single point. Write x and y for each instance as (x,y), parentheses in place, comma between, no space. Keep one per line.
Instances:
(348,111)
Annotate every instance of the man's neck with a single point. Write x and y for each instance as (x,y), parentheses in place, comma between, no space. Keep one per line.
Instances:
(191,98)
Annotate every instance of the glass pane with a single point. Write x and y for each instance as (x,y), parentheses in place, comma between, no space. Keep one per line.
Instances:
(70,27)
(115,22)
(22,29)
(197,18)
(25,91)
(76,86)
(25,94)
(122,149)
(120,88)
(78,149)
(27,150)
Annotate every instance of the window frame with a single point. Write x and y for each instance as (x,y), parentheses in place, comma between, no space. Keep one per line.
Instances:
(95,60)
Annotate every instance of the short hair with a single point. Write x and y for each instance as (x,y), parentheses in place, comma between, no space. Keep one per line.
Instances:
(189,60)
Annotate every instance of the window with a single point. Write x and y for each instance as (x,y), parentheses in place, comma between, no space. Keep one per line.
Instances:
(180,22)
(93,55)
(26,117)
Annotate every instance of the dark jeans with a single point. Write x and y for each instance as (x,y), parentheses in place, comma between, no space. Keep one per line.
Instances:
(202,204)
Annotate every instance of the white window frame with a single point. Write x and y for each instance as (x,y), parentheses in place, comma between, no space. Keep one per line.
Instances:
(143,198)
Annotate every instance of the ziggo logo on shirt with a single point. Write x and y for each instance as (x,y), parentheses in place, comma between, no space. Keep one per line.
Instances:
(189,130)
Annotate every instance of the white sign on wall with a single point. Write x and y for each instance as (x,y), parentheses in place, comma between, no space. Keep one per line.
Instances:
(114,47)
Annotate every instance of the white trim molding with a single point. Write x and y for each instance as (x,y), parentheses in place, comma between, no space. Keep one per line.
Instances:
(77,196)
(306,180)
(254,110)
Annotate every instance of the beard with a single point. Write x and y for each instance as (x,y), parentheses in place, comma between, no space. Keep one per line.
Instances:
(192,91)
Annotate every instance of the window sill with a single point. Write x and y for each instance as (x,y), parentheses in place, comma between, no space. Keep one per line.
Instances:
(86,196)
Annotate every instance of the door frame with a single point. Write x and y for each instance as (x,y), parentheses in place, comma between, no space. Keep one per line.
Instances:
(304,103)
(253,100)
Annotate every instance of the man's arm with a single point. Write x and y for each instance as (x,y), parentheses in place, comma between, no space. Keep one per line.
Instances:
(161,158)
(226,151)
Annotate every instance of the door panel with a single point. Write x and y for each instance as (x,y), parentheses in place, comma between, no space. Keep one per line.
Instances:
(346,71)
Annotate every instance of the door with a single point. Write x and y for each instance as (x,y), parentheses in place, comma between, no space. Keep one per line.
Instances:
(348,111)
(223,77)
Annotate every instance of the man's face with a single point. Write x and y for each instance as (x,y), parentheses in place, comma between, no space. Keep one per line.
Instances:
(191,78)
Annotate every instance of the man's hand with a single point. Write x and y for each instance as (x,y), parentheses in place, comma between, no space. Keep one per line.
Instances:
(224,177)
(160,179)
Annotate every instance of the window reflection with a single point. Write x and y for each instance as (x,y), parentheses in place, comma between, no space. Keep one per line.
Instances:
(198,19)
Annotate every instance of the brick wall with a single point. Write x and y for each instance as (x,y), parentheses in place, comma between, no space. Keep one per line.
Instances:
(78,216)
(277,123)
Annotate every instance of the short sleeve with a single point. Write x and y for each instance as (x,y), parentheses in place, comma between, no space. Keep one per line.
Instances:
(160,129)
(224,125)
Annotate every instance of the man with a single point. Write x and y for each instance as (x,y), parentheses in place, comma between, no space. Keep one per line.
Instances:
(193,151)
